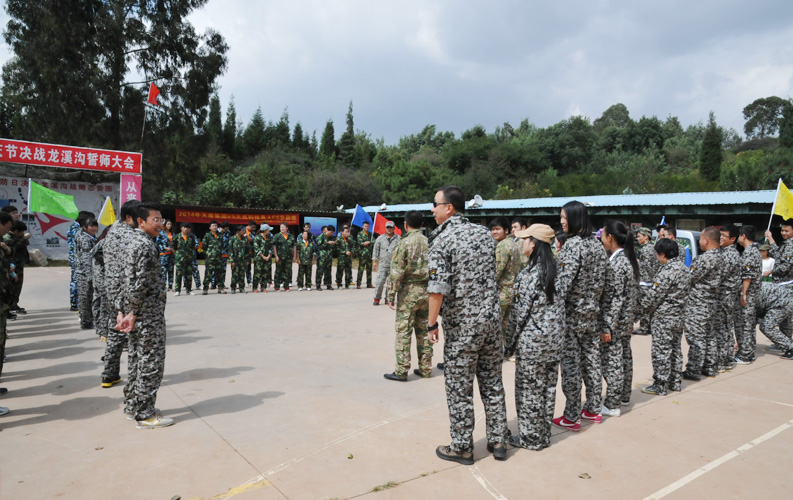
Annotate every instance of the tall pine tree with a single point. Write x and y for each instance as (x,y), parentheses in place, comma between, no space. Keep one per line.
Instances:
(347,142)
(327,145)
(710,157)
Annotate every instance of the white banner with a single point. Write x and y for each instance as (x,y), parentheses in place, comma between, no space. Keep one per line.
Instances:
(48,232)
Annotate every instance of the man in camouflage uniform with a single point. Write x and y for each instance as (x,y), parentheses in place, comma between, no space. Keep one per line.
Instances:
(746,316)
(508,265)
(365,247)
(701,307)
(774,308)
(118,237)
(225,231)
(238,257)
(83,244)
(102,308)
(183,246)
(213,249)
(326,243)
(17,240)
(671,233)
(262,259)
(5,275)
(73,231)
(408,284)
(250,234)
(141,306)
(305,260)
(284,252)
(462,289)
(345,245)
(164,245)
(729,289)
(384,246)
(783,254)
(648,266)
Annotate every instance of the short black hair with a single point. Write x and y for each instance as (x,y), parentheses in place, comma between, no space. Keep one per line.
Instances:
(87,222)
(5,218)
(224,224)
(239,228)
(730,229)
(711,233)
(306,224)
(414,219)
(578,223)
(454,196)
(561,237)
(144,208)
(213,221)
(19,226)
(501,222)
(749,232)
(128,209)
(187,225)
(520,220)
(787,222)
(83,214)
(10,209)
(667,248)
(330,228)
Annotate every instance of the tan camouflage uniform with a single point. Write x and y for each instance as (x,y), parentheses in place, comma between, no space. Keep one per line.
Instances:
(508,265)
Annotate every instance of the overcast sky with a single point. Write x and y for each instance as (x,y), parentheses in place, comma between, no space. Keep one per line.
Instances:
(456,64)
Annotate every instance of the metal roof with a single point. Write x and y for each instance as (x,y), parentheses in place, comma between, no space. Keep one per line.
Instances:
(617,200)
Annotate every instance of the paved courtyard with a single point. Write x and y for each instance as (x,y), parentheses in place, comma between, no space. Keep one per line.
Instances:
(281,396)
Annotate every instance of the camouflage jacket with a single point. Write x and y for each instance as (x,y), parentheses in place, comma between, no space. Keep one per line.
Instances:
(706,275)
(618,304)
(783,267)
(284,246)
(184,248)
(343,246)
(165,240)
(648,262)
(364,252)
(118,237)
(666,299)
(462,268)
(536,326)
(144,290)
(73,231)
(730,271)
(305,252)
(508,263)
(773,296)
(213,245)
(263,246)
(238,250)
(582,276)
(753,269)
(681,252)
(226,242)
(5,282)
(19,249)
(324,249)
(408,263)
(384,249)
(83,244)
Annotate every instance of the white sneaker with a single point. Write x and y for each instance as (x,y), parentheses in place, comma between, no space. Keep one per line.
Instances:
(176,294)
(299,289)
(4,411)
(190,293)
(199,287)
(309,289)
(157,414)
(154,422)
(738,361)
(610,413)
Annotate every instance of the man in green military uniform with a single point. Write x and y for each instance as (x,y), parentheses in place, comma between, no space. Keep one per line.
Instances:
(284,252)
(5,226)
(238,258)
(183,248)
(408,284)
(305,259)
(213,249)
(365,246)
(326,242)
(345,246)
(17,240)
(262,259)
(508,265)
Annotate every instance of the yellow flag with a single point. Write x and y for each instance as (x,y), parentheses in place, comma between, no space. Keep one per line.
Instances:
(107,216)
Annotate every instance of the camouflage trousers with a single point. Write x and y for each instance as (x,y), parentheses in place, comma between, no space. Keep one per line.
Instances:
(73,300)
(613,374)
(725,329)
(183,270)
(323,272)
(699,315)
(113,349)
(224,261)
(505,301)
(15,288)
(344,271)
(745,334)
(581,362)
(248,269)
(167,264)
(627,363)
(146,362)
(196,275)
(364,265)
(304,275)
(101,307)
(238,276)
(3,334)
(666,353)
(262,273)
(212,273)
(412,312)
(85,287)
(468,351)
(777,325)
(283,273)
(380,280)
(535,398)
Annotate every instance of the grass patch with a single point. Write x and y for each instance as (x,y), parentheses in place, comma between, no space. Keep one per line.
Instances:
(386,486)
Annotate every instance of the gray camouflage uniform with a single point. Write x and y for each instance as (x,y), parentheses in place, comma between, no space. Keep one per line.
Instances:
(83,271)
(617,312)
(462,268)
(582,278)
(774,309)
(701,311)
(648,266)
(101,307)
(535,333)
(116,240)
(783,266)
(746,317)
(729,290)
(382,253)
(681,256)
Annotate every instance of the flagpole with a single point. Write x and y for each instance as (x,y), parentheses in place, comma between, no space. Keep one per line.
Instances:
(29,193)
(144,127)
(773,207)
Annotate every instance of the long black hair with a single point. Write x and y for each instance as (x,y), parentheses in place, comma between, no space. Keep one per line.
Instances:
(578,223)
(542,257)
(624,239)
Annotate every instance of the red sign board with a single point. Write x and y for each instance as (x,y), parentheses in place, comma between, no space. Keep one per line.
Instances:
(183,215)
(55,155)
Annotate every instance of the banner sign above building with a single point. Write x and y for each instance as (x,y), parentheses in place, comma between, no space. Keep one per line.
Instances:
(201,216)
(54,155)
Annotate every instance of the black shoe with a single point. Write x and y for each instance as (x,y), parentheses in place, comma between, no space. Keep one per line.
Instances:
(205,292)
(73,308)
(19,310)
(110,381)
(418,372)
(655,389)
(691,376)
(212,287)
(394,376)
(11,315)
(675,387)
(788,354)
(446,453)
(86,327)
(774,348)
(440,366)
(708,372)
(329,288)
(499,450)
(3,390)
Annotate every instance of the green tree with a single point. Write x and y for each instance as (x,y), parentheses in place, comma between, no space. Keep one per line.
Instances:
(711,156)
(347,143)
(254,137)
(230,131)
(327,145)
(616,116)
(762,116)
(214,126)
(786,127)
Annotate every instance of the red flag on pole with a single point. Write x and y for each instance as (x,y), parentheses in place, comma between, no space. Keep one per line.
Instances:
(379,225)
(153,93)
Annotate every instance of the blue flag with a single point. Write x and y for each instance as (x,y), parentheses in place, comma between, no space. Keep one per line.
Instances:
(359,217)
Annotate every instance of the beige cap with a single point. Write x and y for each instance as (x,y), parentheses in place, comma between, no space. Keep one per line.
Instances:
(541,232)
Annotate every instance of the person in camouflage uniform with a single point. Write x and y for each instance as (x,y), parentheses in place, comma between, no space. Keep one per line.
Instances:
(84,242)
(183,247)
(364,245)
(729,289)
(71,233)
(582,277)
(196,276)
(664,302)
(774,309)
(648,266)
(142,315)
(408,285)
(250,234)
(165,246)
(225,231)
(345,245)
(118,237)
(618,309)
(384,246)
(326,243)
(751,276)
(102,309)
(783,254)
(17,240)
(701,307)
(535,332)
(462,290)
(284,252)
(213,250)
(508,265)
(238,257)
(262,259)
(305,260)
(5,282)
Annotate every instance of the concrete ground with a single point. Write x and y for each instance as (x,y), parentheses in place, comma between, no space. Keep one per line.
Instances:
(281,395)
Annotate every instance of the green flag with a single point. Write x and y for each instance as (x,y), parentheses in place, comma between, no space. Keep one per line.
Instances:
(47,201)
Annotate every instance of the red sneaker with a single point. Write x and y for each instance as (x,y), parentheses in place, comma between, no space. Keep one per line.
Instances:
(566,424)
(592,417)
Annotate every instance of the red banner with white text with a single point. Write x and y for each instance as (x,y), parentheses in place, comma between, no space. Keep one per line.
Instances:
(201,216)
(56,155)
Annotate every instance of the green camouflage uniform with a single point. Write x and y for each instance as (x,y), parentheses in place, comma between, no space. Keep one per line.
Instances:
(344,264)
(238,256)
(305,252)
(263,261)
(364,257)
(408,283)
(324,262)
(183,248)
(19,256)
(5,285)
(508,265)
(283,268)
(213,250)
